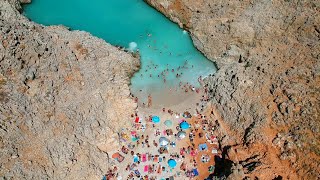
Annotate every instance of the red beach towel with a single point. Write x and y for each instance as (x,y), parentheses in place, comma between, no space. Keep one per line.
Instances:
(137,120)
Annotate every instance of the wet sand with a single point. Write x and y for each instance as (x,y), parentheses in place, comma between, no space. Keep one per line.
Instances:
(175,99)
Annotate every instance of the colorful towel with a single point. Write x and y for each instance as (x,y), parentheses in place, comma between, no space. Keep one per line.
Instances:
(146,168)
(144,157)
(137,120)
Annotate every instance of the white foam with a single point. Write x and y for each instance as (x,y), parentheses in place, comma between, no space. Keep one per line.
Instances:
(133,46)
(184,32)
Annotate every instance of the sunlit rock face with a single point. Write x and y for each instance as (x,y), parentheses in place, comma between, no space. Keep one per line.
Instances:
(266,88)
(63,95)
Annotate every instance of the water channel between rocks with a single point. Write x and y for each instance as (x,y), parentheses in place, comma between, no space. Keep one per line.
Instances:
(168,57)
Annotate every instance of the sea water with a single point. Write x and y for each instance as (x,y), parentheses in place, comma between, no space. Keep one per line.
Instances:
(168,57)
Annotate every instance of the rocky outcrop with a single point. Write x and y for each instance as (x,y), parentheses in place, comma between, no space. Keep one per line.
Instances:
(267,87)
(64,95)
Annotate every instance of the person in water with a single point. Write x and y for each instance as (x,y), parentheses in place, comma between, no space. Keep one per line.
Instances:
(149,100)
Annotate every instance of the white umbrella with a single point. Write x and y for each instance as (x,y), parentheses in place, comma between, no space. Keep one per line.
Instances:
(181,134)
(163,141)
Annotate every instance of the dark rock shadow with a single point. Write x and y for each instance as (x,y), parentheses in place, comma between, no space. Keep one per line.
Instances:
(222,166)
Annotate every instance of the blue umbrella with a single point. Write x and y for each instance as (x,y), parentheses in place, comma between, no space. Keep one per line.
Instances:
(203,147)
(155,119)
(172,163)
(184,125)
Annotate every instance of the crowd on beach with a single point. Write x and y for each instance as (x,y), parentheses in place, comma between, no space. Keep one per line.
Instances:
(149,146)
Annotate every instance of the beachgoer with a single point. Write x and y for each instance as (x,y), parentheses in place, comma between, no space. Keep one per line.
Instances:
(149,100)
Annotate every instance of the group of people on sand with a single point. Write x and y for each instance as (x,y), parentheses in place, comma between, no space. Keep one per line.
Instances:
(149,102)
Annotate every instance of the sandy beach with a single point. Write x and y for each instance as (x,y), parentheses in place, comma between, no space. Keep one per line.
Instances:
(140,145)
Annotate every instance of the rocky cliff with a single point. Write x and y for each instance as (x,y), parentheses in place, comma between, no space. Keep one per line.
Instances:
(267,89)
(64,95)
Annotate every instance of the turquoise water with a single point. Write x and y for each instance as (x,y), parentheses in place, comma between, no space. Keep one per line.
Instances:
(166,50)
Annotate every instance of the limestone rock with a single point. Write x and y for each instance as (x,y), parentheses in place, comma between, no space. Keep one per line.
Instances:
(268,54)
(62,94)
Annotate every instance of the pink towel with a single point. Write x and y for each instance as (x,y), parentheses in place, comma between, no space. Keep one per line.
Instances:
(144,157)
(146,168)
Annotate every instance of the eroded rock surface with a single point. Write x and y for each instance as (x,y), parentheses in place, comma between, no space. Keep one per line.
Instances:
(63,97)
(267,87)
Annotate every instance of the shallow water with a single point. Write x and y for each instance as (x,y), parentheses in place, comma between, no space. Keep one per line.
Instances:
(133,24)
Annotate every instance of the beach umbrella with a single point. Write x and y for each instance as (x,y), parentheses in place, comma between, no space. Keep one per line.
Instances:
(172,163)
(155,119)
(118,157)
(163,141)
(203,147)
(135,158)
(115,155)
(181,134)
(184,125)
(173,144)
(168,123)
